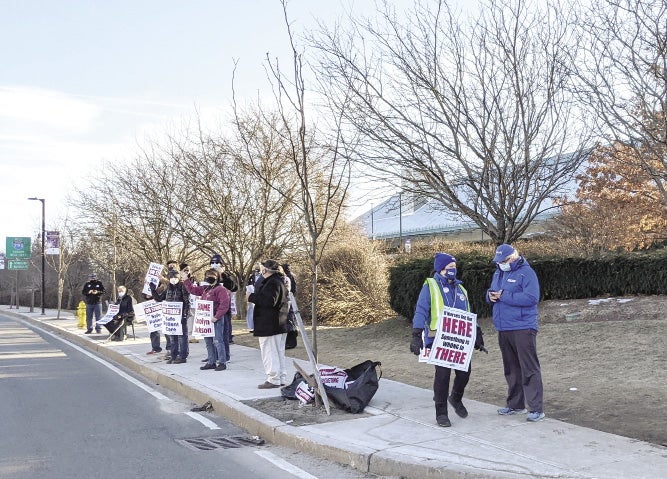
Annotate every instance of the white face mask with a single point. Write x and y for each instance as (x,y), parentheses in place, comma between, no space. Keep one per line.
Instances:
(121,294)
(505,266)
(173,280)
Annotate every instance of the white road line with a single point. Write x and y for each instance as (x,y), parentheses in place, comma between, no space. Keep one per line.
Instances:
(205,421)
(122,374)
(284,465)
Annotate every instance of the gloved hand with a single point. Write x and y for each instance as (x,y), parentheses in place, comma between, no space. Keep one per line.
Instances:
(417,342)
(479,341)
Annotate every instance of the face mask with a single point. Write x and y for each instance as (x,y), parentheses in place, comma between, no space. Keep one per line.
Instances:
(173,280)
(450,273)
(216,266)
(505,266)
(120,295)
(211,279)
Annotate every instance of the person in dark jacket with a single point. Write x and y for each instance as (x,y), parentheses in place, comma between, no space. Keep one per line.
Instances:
(443,289)
(514,294)
(270,321)
(125,315)
(176,292)
(229,282)
(219,295)
(92,292)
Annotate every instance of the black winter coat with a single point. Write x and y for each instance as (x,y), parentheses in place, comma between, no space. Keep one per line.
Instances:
(271,306)
(173,293)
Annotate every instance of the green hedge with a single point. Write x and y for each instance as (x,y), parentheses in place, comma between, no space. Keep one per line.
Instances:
(560,278)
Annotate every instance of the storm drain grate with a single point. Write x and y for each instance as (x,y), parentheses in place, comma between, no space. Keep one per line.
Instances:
(220,442)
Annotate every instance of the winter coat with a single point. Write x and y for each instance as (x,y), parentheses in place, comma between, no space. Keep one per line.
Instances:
(453,295)
(271,306)
(176,293)
(125,308)
(92,285)
(517,306)
(217,293)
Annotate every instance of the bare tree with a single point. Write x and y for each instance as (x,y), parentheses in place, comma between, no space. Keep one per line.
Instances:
(625,78)
(477,115)
(321,171)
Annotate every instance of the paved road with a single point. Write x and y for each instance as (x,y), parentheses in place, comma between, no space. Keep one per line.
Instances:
(65,413)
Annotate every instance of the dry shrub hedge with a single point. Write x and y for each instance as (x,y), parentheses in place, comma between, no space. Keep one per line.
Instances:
(353,285)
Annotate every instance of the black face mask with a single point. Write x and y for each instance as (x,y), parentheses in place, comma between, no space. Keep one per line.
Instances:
(211,280)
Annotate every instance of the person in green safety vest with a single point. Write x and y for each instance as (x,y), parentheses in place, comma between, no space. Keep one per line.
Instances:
(443,289)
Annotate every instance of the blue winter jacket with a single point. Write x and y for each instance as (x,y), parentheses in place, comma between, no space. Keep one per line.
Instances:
(517,306)
(453,295)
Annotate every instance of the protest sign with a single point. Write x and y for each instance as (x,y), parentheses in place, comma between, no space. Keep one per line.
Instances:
(152,276)
(172,312)
(152,312)
(454,340)
(111,312)
(203,323)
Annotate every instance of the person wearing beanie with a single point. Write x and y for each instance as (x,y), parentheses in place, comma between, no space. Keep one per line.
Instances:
(514,294)
(271,302)
(442,289)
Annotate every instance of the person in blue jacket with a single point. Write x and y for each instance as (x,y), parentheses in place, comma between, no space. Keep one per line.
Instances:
(445,290)
(514,294)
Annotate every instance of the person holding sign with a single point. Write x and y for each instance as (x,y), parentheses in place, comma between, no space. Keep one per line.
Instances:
(442,290)
(514,294)
(220,296)
(175,292)
(125,315)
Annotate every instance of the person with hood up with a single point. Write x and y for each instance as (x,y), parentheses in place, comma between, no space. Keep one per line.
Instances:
(270,322)
(443,289)
(213,291)
(514,294)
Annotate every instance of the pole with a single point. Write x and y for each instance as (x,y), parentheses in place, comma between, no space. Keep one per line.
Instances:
(34,198)
(43,252)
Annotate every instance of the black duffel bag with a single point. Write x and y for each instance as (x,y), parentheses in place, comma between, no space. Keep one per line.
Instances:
(362,383)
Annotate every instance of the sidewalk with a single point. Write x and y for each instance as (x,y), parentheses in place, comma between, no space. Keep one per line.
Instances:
(399,436)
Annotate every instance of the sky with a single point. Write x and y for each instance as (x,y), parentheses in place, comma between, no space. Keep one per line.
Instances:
(84,83)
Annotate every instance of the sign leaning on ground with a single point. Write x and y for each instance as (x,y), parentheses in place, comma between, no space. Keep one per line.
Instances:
(17,247)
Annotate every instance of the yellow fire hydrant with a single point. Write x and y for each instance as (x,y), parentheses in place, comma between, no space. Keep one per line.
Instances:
(81,314)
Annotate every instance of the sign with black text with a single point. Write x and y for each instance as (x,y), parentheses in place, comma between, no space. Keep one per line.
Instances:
(454,340)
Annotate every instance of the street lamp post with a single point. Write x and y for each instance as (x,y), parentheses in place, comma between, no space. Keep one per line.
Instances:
(43,245)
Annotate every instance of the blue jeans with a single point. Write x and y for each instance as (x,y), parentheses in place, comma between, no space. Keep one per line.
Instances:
(155,341)
(215,346)
(179,344)
(91,309)
(227,334)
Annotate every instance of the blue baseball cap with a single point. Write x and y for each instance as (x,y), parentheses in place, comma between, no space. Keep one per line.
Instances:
(502,252)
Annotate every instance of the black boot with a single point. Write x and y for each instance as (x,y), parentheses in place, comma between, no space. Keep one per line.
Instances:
(455,400)
(441,415)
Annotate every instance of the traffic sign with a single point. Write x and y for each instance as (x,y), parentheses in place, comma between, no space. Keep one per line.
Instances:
(18,264)
(18,248)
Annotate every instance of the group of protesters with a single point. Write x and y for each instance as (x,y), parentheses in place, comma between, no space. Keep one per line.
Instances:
(267,293)
(513,294)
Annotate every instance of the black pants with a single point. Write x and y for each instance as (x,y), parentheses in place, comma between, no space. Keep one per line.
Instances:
(522,369)
(441,384)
